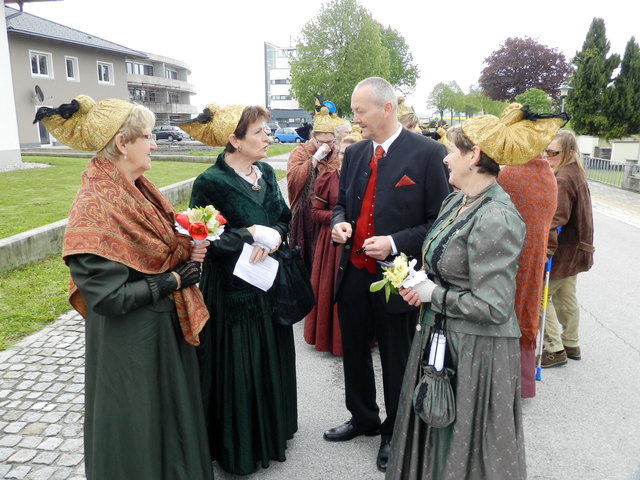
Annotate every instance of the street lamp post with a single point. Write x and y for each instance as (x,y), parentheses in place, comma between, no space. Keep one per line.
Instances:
(564,90)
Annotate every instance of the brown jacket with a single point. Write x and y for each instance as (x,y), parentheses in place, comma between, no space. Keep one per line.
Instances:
(573,249)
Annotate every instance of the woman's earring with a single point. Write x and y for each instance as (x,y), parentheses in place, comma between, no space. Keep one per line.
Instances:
(239,148)
(470,169)
(124,156)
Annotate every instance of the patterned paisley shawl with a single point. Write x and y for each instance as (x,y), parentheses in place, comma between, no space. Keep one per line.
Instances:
(133,225)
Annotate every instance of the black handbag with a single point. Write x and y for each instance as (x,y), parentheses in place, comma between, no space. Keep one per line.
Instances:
(433,398)
(294,294)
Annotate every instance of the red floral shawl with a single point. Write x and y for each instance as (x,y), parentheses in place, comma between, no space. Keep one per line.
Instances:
(133,225)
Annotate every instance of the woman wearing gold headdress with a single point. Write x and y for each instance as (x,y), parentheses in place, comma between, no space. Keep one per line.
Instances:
(247,362)
(321,326)
(133,278)
(306,162)
(471,257)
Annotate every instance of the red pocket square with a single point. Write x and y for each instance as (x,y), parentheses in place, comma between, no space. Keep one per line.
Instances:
(404,181)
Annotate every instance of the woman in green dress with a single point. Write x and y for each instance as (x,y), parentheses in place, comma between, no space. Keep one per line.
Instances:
(471,257)
(247,362)
(133,279)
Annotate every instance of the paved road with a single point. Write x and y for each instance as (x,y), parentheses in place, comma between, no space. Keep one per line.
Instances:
(583,425)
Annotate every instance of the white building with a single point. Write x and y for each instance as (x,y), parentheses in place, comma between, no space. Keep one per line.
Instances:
(284,109)
(50,64)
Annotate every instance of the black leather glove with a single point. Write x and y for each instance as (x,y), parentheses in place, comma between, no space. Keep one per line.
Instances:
(189,273)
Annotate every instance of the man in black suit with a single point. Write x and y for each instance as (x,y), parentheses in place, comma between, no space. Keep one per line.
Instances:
(391,187)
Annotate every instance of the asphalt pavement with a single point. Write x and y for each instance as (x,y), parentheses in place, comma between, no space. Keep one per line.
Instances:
(584,423)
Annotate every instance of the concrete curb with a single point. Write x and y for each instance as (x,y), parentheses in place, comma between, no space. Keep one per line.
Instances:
(41,242)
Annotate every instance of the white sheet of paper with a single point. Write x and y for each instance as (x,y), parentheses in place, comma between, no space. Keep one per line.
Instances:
(261,274)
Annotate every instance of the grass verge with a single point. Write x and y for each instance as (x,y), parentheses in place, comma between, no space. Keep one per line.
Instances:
(32,296)
(272,150)
(38,196)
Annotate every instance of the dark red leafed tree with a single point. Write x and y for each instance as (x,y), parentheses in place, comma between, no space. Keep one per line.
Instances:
(521,64)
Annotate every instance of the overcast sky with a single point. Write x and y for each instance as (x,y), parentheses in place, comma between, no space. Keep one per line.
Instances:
(222,40)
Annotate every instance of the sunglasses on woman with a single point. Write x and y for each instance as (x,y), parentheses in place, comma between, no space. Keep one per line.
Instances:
(552,153)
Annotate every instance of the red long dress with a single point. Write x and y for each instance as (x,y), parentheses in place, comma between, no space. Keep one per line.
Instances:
(321,326)
(534,192)
(301,177)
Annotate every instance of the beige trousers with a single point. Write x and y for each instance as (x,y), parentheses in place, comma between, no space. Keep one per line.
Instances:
(563,315)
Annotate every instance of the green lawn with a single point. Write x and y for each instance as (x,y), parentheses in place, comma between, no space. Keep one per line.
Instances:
(38,196)
(32,296)
(611,177)
(271,151)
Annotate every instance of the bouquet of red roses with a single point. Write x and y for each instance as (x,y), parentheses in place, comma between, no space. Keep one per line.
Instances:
(201,223)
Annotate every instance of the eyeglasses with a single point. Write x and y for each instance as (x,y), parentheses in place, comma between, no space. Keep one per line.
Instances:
(327,142)
(552,153)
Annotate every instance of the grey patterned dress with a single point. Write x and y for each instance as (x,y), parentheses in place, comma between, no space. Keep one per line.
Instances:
(473,257)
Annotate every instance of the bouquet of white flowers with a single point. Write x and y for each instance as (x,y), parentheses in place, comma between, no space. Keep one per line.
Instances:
(398,273)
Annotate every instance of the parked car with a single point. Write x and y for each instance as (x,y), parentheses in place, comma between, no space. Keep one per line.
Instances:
(168,132)
(273,126)
(287,135)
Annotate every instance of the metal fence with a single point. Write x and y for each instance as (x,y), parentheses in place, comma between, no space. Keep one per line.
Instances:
(604,170)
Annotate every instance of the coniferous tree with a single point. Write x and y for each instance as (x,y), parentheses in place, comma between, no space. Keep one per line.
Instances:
(624,104)
(587,99)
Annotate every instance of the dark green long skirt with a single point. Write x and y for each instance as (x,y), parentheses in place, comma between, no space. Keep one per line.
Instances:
(248,376)
(143,418)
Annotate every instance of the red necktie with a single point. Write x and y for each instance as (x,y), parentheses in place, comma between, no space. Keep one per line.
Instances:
(379,153)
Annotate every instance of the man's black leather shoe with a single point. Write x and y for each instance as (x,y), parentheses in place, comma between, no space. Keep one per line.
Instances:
(347,431)
(383,455)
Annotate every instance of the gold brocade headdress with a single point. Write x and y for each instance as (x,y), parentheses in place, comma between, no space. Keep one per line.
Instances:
(337,121)
(442,133)
(322,122)
(515,138)
(84,124)
(214,125)
(356,131)
(402,108)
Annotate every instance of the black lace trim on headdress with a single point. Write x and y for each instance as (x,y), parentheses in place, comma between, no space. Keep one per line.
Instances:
(319,102)
(529,115)
(305,130)
(205,117)
(66,110)
(439,249)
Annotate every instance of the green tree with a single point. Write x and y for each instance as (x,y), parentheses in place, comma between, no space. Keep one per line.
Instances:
(624,104)
(456,99)
(403,74)
(537,100)
(587,99)
(439,98)
(341,46)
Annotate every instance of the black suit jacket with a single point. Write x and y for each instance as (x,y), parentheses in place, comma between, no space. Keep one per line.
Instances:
(404,212)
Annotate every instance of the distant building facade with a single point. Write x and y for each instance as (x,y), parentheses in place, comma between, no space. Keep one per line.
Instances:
(51,64)
(284,109)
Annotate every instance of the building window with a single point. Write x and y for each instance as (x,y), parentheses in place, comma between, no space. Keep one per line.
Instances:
(143,95)
(173,97)
(41,64)
(139,69)
(285,52)
(280,97)
(71,65)
(105,73)
(172,74)
(280,81)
